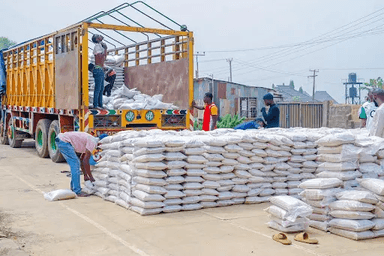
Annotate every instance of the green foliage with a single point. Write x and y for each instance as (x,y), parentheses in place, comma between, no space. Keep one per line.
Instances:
(292,84)
(296,98)
(374,83)
(230,122)
(301,90)
(5,42)
(197,126)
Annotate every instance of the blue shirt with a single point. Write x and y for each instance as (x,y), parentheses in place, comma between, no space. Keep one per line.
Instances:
(273,117)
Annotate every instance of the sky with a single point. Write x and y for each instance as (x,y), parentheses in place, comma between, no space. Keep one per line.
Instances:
(269,41)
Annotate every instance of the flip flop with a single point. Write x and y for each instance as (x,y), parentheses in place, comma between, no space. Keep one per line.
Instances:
(281,238)
(304,238)
(82,194)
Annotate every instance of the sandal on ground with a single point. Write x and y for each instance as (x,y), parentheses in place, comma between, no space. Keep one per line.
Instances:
(304,238)
(281,238)
(82,194)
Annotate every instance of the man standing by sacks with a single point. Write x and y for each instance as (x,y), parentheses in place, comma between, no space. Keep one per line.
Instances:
(272,118)
(70,143)
(377,127)
(210,112)
(367,111)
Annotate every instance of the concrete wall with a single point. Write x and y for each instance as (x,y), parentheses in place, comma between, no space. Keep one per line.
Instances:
(226,95)
(343,116)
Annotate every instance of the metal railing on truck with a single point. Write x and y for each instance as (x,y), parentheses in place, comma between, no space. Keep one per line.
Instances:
(47,77)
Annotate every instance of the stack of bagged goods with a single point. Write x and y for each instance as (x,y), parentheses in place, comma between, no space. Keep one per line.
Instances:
(319,193)
(353,215)
(169,171)
(339,158)
(122,97)
(372,150)
(108,175)
(376,186)
(302,162)
(148,175)
(288,214)
(380,162)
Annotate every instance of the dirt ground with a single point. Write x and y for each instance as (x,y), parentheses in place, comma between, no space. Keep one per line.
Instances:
(91,226)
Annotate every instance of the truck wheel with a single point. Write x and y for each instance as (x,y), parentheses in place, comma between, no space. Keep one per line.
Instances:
(41,137)
(3,135)
(54,152)
(13,142)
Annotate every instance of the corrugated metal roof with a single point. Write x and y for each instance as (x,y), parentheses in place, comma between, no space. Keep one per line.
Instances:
(290,94)
(222,81)
(324,96)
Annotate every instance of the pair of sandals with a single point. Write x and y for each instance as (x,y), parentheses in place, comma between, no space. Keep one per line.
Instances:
(302,237)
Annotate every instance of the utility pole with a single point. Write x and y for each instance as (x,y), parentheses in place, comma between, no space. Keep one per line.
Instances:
(212,85)
(197,62)
(230,69)
(314,79)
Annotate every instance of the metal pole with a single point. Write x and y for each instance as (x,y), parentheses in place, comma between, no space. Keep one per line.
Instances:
(197,62)
(314,82)
(230,69)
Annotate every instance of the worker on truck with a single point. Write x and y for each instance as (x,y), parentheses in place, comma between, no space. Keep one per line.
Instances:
(110,77)
(210,112)
(70,143)
(100,52)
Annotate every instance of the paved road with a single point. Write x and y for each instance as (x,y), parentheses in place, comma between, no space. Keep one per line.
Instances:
(91,226)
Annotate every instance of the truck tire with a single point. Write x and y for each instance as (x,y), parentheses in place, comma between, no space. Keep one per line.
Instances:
(11,134)
(41,137)
(54,152)
(3,137)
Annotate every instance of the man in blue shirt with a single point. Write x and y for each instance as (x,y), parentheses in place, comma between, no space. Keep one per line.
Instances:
(273,116)
(257,124)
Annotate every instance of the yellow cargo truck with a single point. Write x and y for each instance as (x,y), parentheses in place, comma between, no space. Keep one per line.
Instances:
(47,79)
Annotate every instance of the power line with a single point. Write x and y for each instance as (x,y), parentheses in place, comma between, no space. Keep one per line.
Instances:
(293,45)
(318,40)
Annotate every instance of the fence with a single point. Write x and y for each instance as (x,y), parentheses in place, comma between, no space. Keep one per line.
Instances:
(297,114)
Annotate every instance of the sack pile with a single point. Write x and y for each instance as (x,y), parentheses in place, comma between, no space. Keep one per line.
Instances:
(339,158)
(353,215)
(370,157)
(376,187)
(319,193)
(170,171)
(122,97)
(288,214)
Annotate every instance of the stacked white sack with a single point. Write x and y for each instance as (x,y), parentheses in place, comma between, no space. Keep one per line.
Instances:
(288,214)
(319,193)
(148,175)
(122,97)
(339,158)
(218,168)
(371,150)
(303,161)
(376,186)
(110,179)
(352,214)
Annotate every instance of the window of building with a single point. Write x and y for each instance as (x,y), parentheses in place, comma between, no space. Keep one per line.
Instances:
(248,107)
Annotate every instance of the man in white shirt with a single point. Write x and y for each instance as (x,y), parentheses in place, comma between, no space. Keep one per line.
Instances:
(367,112)
(377,127)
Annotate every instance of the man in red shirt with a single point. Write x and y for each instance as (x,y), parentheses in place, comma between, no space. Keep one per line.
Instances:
(210,112)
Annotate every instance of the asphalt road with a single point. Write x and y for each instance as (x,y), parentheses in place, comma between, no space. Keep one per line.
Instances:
(91,226)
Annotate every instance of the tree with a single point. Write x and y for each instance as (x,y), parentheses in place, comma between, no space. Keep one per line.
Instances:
(301,90)
(292,84)
(5,42)
(296,98)
(374,83)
